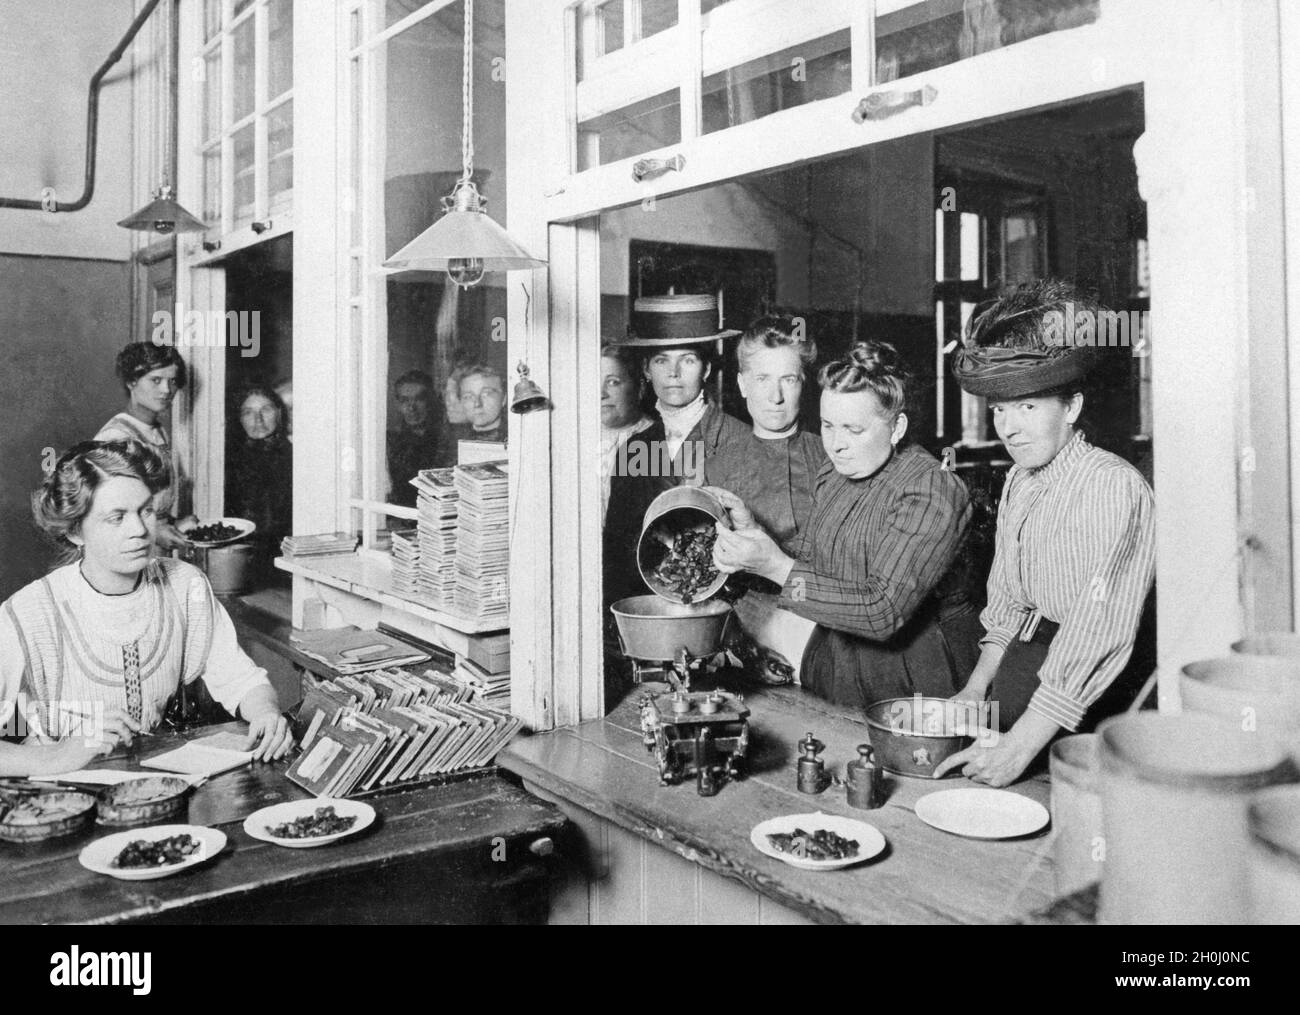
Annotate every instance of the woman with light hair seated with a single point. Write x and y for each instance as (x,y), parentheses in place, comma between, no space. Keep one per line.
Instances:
(91,654)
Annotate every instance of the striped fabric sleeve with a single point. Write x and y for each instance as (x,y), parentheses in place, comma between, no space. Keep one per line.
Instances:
(1095,639)
(922,536)
(1002,615)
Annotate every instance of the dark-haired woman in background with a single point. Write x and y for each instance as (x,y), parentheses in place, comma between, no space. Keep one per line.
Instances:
(259,467)
(151,375)
(873,569)
(91,654)
(1075,554)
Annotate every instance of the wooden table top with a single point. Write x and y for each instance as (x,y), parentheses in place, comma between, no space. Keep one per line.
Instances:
(45,883)
(924,875)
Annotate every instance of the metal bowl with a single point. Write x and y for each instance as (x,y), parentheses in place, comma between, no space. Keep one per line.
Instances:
(154,800)
(911,736)
(655,630)
(23,824)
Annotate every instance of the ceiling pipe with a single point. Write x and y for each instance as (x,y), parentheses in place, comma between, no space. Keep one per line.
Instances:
(92,126)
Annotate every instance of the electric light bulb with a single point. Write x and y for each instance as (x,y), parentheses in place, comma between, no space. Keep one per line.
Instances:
(465,271)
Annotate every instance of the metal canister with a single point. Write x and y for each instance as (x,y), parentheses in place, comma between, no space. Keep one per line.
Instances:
(675,511)
(1078,844)
(866,784)
(1259,693)
(812,777)
(1273,879)
(1174,792)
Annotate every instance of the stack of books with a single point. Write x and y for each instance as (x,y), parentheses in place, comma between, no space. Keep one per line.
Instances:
(390,726)
(490,689)
(482,546)
(324,544)
(406,562)
(436,537)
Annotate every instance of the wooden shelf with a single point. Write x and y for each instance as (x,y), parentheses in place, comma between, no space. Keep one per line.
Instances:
(371,577)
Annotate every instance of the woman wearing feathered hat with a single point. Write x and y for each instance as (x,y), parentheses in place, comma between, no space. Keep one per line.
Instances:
(673,334)
(1075,552)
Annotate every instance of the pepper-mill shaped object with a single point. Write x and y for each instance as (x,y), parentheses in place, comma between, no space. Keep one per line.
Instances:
(812,777)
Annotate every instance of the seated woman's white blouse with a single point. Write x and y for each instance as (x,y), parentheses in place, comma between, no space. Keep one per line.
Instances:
(68,652)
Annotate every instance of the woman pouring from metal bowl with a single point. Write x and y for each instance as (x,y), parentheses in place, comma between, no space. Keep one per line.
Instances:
(873,569)
(1075,552)
(91,654)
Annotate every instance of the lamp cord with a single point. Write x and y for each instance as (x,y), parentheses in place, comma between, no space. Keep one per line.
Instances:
(467,97)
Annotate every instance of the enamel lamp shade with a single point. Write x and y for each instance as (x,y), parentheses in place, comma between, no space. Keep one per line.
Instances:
(465,242)
(163,215)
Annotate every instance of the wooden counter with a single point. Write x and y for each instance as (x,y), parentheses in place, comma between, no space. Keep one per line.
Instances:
(462,852)
(601,769)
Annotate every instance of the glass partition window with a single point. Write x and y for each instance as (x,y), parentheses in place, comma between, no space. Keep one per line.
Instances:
(246,112)
(433,385)
(742,60)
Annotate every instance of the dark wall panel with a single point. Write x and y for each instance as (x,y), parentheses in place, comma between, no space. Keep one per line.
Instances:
(61,323)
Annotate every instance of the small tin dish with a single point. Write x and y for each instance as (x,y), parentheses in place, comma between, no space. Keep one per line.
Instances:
(47,816)
(147,801)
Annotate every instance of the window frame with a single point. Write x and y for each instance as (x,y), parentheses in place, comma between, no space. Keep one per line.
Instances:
(230,233)
(561,681)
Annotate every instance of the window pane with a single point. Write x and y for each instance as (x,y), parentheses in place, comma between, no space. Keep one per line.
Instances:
(244,71)
(212,95)
(912,36)
(212,186)
(241,6)
(280,43)
(970,247)
(396,10)
(656,16)
(243,172)
(211,19)
(279,144)
(434,329)
(612,30)
(633,130)
(813,70)
(354,196)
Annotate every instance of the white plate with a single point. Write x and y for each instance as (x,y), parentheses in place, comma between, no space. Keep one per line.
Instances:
(245,527)
(98,856)
(258,823)
(982,813)
(870,841)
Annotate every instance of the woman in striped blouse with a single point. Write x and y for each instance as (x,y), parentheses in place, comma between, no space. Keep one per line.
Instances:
(1075,553)
(873,568)
(91,654)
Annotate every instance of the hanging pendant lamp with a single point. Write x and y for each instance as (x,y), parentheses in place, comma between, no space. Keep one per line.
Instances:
(164,214)
(465,243)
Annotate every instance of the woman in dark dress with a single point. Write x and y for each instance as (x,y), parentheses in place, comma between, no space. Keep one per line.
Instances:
(873,569)
(259,468)
(674,334)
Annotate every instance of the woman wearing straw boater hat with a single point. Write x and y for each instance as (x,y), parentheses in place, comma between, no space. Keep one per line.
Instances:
(1075,553)
(673,335)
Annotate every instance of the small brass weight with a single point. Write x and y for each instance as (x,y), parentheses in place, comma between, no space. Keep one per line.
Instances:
(812,776)
(865,779)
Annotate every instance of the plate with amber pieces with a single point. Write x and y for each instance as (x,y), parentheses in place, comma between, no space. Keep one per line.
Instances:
(159,851)
(817,842)
(301,824)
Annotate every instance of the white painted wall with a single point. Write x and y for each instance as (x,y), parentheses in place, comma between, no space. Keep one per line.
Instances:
(48,52)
